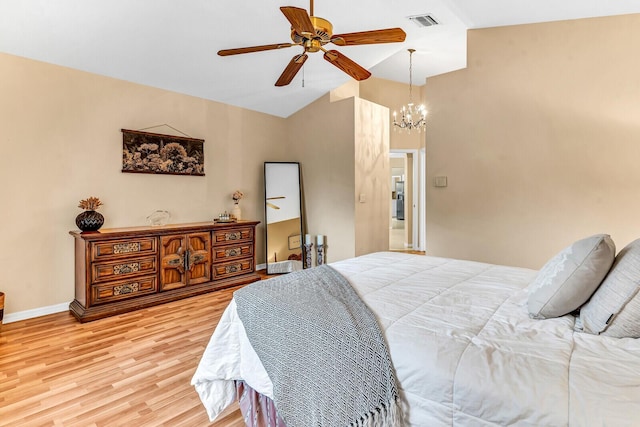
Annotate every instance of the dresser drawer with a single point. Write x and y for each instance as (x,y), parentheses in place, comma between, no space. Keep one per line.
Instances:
(232,235)
(115,291)
(114,270)
(234,268)
(230,252)
(123,248)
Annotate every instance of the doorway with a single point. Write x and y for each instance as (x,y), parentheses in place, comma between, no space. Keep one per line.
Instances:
(397,238)
(405,232)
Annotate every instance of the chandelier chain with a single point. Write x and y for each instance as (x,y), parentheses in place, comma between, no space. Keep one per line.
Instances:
(411,74)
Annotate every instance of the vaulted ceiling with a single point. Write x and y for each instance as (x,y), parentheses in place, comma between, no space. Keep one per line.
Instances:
(172,44)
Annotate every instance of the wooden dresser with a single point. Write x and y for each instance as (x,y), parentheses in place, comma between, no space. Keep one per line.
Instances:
(124,269)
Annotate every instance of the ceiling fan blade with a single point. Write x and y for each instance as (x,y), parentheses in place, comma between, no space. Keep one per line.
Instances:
(299,19)
(346,65)
(292,69)
(238,51)
(389,35)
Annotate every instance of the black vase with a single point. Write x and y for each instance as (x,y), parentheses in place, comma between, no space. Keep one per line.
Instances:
(89,221)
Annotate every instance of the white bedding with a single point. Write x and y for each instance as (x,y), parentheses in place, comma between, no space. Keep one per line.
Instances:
(465,351)
(287,266)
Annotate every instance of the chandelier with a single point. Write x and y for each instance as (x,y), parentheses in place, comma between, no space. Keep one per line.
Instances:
(411,116)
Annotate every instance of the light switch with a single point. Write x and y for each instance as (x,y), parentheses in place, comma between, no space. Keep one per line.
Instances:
(440,181)
(362,198)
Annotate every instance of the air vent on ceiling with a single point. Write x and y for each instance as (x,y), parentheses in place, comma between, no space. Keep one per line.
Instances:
(423,20)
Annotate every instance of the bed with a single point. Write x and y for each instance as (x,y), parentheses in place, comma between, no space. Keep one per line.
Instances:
(293,263)
(464,347)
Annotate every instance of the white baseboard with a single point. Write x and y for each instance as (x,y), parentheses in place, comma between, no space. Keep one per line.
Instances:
(58,308)
(36,312)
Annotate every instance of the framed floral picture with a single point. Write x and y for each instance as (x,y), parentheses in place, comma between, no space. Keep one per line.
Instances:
(146,152)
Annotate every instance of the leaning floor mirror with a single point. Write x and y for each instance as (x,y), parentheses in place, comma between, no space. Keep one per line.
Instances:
(283,216)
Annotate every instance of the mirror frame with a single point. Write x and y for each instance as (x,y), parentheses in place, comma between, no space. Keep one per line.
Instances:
(280,266)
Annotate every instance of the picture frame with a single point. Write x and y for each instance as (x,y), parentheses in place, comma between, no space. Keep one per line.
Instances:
(295,242)
(154,153)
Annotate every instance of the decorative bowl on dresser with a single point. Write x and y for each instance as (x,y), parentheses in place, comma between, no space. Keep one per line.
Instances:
(124,269)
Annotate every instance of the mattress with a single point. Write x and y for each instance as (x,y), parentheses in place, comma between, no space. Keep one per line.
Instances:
(464,349)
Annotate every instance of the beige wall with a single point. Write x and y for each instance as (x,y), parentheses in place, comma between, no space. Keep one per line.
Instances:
(394,95)
(398,164)
(61,142)
(322,139)
(342,142)
(539,138)
(372,184)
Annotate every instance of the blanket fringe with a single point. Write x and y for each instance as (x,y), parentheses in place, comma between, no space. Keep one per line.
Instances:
(388,416)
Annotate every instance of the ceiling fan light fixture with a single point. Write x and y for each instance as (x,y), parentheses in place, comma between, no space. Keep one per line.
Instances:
(412,117)
(323,31)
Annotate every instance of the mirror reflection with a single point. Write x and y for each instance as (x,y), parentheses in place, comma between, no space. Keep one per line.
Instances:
(283,217)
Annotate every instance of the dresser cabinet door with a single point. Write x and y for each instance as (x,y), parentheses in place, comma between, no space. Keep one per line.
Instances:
(185,259)
(199,259)
(172,262)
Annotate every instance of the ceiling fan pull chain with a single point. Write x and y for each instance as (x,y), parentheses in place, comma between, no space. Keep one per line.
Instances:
(303,76)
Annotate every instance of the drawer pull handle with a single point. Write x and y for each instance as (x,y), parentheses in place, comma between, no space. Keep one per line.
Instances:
(233,252)
(233,236)
(127,288)
(233,268)
(126,268)
(125,248)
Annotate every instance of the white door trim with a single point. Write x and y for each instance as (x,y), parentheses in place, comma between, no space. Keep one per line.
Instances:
(422,202)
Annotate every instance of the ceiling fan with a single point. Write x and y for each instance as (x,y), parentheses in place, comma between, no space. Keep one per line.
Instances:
(312,33)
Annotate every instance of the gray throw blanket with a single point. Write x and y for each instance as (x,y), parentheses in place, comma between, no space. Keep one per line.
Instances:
(323,350)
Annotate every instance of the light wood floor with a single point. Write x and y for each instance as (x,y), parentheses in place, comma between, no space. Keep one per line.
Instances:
(129,370)
(133,369)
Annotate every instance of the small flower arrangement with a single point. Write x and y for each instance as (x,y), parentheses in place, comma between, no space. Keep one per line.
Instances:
(90,204)
(237,196)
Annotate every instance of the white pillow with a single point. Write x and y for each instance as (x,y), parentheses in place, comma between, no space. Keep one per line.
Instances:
(614,309)
(568,279)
